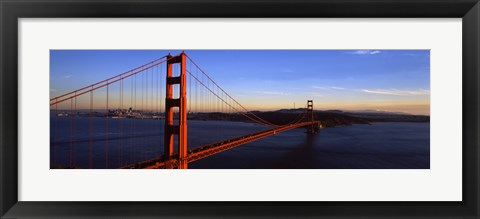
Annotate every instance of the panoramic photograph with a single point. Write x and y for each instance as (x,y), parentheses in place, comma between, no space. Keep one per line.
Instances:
(239,109)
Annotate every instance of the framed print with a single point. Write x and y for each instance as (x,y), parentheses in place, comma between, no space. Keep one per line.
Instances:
(239,109)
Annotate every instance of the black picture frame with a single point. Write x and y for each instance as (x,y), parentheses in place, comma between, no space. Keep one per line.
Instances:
(11,11)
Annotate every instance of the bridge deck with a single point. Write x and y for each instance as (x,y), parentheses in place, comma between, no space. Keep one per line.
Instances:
(214,148)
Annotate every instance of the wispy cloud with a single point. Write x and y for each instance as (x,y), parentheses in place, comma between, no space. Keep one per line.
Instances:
(314,94)
(396,92)
(67,76)
(365,52)
(53,90)
(328,87)
(409,54)
(271,93)
(416,54)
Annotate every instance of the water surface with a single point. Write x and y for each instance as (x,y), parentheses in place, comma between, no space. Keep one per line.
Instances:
(377,146)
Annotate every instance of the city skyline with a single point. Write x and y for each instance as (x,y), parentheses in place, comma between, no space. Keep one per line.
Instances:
(386,80)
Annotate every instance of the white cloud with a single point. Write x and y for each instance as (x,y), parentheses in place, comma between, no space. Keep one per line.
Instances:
(416,54)
(67,76)
(271,93)
(328,87)
(365,52)
(409,54)
(314,94)
(396,92)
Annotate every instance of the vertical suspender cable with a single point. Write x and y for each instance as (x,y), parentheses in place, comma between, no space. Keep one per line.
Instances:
(134,125)
(106,133)
(71,133)
(147,145)
(121,115)
(131,115)
(74,129)
(90,163)
(56,135)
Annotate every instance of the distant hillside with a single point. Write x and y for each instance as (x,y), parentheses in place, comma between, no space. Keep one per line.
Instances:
(329,118)
(332,118)
(338,117)
(385,117)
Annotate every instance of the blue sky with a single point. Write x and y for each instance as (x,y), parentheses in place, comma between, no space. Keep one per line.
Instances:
(388,80)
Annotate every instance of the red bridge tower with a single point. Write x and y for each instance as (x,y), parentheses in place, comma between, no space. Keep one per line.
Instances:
(315,126)
(170,128)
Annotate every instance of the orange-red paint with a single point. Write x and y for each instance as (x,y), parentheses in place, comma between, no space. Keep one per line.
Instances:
(181,129)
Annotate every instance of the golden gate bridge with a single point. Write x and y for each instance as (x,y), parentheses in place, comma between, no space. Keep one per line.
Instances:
(189,92)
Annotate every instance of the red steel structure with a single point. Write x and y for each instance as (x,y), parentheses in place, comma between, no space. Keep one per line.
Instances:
(314,126)
(215,148)
(142,85)
(181,129)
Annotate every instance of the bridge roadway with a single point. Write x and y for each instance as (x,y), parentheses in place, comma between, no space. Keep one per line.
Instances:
(214,148)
